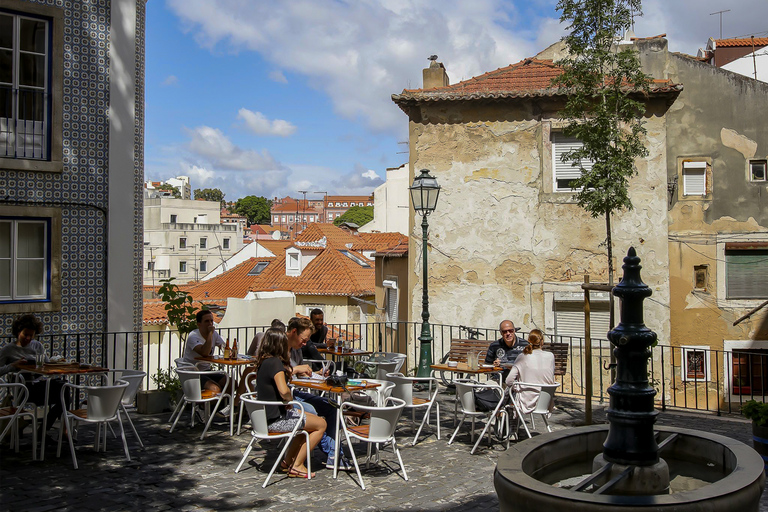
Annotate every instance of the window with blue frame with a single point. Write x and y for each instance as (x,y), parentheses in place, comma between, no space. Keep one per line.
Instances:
(25,259)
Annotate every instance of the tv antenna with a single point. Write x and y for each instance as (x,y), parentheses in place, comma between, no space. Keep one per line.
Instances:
(721,19)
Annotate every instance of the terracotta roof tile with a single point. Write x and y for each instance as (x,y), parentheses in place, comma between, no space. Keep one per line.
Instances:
(744,41)
(276,247)
(528,78)
(233,283)
(379,241)
(154,310)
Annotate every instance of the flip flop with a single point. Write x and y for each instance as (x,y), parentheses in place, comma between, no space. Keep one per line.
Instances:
(295,473)
(284,468)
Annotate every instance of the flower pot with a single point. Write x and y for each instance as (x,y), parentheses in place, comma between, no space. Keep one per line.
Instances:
(760,441)
(154,401)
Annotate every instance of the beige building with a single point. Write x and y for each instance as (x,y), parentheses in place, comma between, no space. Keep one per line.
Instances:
(185,239)
(507,239)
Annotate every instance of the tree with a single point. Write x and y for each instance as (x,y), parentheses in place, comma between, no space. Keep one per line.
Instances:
(605,88)
(210,194)
(169,188)
(178,307)
(359,215)
(256,208)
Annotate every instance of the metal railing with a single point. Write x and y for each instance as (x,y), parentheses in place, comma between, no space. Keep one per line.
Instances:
(684,377)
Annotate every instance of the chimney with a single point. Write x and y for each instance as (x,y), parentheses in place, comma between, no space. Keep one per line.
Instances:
(435,75)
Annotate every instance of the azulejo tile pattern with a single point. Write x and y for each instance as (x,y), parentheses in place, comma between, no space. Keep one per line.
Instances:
(81,190)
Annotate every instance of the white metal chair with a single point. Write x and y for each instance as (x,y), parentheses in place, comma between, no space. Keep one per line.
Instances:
(328,366)
(180,362)
(103,406)
(546,397)
(465,395)
(195,394)
(257,412)
(387,358)
(18,394)
(380,393)
(250,382)
(133,378)
(380,430)
(404,391)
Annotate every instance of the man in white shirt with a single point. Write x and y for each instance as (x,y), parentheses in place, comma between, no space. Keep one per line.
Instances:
(201,342)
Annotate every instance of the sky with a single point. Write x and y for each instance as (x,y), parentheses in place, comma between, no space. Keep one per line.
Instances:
(275,97)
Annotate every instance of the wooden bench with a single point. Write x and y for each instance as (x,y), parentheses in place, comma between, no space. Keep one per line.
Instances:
(461,347)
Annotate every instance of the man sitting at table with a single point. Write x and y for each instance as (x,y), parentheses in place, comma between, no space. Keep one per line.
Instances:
(254,346)
(299,331)
(509,344)
(201,343)
(317,339)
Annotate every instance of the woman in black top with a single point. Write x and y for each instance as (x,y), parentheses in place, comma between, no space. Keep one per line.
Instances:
(272,377)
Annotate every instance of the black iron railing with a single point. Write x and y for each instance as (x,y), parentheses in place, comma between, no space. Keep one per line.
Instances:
(684,377)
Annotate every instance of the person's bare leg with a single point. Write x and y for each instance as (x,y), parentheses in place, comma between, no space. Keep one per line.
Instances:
(316,426)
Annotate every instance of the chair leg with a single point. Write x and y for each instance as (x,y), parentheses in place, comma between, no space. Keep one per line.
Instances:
(210,419)
(183,404)
(178,409)
(309,456)
(399,458)
(480,437)
(277,462)
(457,428)
(546,423)
(245,455)
(423,421)
(240,418)
(354,461)
(71,443)
(128,416)
(122,433)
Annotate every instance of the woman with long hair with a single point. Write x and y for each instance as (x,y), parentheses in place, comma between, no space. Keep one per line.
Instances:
(273,372)
(534,366)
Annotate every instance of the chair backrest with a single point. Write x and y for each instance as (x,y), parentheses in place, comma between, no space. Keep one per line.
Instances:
(385,367)
(403,387)
(190,382)
(465,393)
(384,420)
(546,396)
(103,401)
(381,393)
(257,412)
(133,378)
(180,362)
(18,392)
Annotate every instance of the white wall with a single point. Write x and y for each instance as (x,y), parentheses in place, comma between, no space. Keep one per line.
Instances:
(391,203)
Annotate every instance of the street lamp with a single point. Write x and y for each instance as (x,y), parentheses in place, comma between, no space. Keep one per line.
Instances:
(424,192)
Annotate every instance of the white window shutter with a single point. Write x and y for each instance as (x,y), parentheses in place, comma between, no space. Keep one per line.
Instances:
(562,145)
(694,178)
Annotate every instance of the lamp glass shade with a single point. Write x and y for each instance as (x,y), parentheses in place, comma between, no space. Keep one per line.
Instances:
(424,192)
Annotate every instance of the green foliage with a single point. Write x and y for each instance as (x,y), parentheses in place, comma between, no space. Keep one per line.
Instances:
(604,85)
(170,188)
(756,411)
(210,194)
(165,380)
(360,215)
(178,307)
(256,208)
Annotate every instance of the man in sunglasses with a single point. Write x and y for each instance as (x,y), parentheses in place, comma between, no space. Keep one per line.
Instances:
(505,350)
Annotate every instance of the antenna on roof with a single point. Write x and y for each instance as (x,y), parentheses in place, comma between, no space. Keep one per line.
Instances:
(721,19)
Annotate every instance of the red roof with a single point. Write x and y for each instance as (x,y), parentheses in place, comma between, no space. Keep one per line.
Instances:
(759,42)
(528,78)
(154,310)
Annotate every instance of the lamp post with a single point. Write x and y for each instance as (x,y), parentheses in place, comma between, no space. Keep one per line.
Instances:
(424,192)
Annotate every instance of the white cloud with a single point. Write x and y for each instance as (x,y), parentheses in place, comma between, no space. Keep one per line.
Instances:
(216,148)
(278,76)
(258,123)
(371,175)
(359,53)
(170,80)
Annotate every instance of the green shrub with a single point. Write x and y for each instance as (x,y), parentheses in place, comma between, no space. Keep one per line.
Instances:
(756,411)
(165,380)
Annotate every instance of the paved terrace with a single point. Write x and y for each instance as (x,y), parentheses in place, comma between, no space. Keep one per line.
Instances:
(180,472)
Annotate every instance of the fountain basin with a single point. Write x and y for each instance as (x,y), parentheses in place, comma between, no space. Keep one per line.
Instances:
(729,473)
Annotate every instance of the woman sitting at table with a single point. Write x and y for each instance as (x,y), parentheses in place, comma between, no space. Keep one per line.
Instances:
(534,366)
(273,368)
(24,350)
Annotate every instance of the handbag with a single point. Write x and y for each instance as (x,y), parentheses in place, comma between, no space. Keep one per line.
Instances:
(487,399)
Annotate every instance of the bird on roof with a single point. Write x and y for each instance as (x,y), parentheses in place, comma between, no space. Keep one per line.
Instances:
(432,57)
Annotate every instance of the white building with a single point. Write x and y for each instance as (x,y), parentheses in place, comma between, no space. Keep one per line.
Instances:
(185,239)
(390,204)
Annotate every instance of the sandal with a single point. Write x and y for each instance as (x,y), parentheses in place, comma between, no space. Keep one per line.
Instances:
(284,467)
(295,473)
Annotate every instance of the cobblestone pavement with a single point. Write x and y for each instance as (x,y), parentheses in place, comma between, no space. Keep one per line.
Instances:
(180,472)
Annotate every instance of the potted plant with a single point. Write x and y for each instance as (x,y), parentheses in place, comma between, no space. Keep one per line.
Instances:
(181,314)
(758,413)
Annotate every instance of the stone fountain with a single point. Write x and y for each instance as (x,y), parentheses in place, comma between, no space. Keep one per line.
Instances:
(630,463)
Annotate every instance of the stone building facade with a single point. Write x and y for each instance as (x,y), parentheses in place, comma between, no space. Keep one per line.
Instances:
(71,166)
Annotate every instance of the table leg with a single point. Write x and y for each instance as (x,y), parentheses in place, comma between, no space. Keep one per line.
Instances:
(45,418)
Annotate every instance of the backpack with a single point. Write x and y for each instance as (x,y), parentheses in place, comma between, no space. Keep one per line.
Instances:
(487,399)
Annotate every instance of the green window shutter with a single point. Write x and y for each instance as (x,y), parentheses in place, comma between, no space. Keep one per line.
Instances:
(746,274)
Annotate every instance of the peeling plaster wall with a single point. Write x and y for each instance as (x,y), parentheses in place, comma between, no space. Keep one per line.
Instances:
(499,232)
(719,117)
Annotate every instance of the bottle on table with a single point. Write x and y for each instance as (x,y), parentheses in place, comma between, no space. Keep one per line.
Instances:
(233,353)
(227,351)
